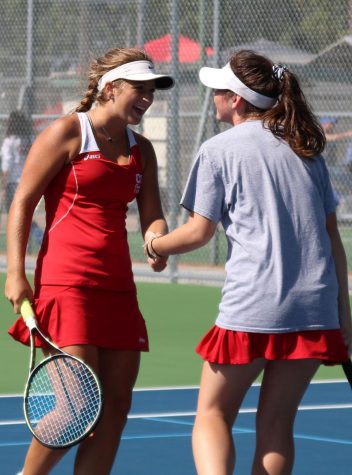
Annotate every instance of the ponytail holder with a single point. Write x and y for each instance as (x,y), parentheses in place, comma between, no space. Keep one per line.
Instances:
(278,71)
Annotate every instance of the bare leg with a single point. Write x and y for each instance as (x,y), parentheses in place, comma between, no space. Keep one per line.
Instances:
(283,386)
(222,390)
(39,459)
(118,373)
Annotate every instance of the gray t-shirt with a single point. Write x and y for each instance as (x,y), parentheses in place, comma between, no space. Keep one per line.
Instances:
(280,274)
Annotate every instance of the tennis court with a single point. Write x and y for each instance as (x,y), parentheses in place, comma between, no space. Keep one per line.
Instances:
(157,439)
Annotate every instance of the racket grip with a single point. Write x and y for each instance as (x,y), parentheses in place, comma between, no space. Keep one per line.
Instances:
(28,314)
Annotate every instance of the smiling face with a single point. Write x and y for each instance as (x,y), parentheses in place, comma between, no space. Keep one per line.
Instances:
(133,99)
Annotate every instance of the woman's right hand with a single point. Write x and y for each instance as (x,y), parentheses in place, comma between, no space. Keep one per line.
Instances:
(17,288)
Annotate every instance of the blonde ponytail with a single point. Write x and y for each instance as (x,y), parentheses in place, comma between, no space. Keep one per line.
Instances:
(111,59)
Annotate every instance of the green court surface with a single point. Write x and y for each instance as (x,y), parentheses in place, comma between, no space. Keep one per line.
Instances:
(176,315)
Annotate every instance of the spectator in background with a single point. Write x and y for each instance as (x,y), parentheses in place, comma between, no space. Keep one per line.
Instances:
(14,150)
(349,157)
(331,152)
(328,124)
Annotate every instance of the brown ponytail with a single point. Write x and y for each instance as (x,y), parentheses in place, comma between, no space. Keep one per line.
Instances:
(291,118)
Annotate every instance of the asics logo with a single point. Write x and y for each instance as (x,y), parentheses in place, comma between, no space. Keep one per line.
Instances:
(91,156)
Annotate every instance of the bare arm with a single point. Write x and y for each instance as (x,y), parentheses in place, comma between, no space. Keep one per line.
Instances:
(52,149)
(151,215)
(340,260)
(188,237)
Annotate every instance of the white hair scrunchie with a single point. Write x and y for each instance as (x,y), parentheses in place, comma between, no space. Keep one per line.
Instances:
(279,71)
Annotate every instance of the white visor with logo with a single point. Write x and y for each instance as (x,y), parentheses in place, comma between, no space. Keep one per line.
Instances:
(137,71)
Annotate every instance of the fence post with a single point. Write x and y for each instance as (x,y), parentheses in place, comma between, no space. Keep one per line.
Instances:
(173,137)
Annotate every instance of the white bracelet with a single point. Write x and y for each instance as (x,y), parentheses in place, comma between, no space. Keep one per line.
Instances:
(150,252)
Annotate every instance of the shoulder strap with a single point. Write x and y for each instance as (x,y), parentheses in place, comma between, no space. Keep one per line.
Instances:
(131,137)
(88,140)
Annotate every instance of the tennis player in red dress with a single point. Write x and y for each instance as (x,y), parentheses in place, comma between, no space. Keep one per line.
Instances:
(89,165)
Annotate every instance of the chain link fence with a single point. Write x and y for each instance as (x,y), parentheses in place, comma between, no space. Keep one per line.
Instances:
(46,46)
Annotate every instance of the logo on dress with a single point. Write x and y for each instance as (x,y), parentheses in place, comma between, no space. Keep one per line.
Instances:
(137,186)
(92,156)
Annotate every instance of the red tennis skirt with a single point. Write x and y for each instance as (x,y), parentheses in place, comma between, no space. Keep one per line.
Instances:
(233,347)
(86,316)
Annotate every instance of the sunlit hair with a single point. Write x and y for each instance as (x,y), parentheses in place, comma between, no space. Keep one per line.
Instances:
(291,118)
(112,59)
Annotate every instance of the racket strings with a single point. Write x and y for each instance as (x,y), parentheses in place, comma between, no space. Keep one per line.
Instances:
(63,401)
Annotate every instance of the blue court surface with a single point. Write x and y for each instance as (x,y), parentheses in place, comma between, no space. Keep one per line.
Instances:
(157,439)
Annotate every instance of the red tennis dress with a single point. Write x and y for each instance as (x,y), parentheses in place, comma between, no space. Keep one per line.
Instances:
(84,287)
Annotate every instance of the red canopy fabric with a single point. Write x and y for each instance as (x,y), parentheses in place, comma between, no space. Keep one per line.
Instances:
(188,50)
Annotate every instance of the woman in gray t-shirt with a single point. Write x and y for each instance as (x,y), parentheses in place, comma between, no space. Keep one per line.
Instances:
(285,306)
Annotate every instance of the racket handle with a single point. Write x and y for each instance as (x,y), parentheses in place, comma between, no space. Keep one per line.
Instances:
(28,314)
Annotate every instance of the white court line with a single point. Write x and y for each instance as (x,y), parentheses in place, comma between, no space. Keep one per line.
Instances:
(250,410)
(135,390)
(192,413)
(180,388)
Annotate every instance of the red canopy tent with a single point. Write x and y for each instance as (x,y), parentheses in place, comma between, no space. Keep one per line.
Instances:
(188,50)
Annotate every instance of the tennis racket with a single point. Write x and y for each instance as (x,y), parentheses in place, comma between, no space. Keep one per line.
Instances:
(347,367)
(62,399)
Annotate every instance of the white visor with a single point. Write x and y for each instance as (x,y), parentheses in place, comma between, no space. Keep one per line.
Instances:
(225,78)
(136,71)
